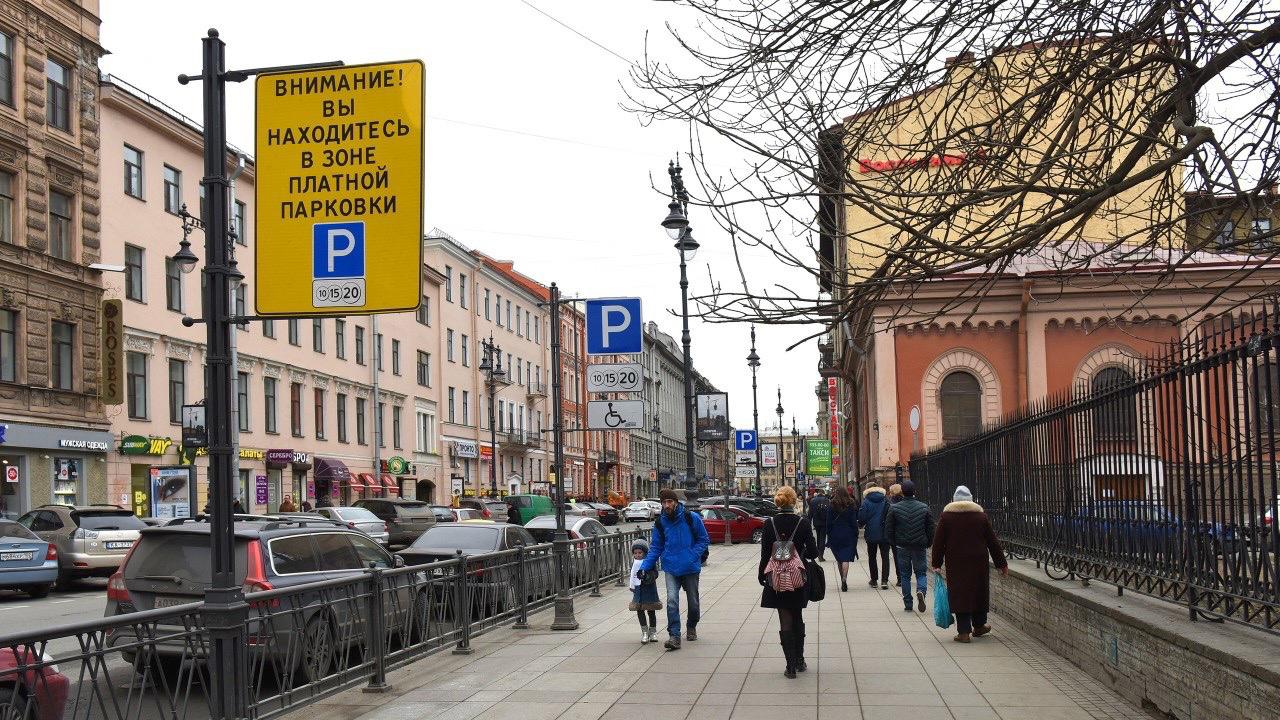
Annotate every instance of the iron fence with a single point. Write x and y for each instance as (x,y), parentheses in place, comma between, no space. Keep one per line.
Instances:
(1157,476)
(300,643)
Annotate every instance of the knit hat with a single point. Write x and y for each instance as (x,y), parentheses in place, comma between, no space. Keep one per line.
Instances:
(639,545)
(962,493)
(908,488)
(668,494)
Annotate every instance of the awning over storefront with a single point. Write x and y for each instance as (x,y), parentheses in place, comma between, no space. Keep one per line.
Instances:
(334,471)
(390,484)
(363,480)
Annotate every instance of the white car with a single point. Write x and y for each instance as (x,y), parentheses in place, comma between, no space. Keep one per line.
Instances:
(641,510)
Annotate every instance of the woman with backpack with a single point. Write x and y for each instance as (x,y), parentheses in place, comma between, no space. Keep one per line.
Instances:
(842,533)
(788,541)
(871,518)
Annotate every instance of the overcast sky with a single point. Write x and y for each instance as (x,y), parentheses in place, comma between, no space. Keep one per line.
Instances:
(529,156)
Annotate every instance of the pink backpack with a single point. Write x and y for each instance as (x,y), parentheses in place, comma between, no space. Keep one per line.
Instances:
(785,569)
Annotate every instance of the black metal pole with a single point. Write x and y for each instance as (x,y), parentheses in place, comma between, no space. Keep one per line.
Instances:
(755,412)
(688,372)
(491,386)
(564,619)
(224,605)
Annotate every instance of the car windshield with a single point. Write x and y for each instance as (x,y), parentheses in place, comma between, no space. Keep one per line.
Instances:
(10,529)
(495,506)
(109,520)
(413,510)
(355,514)
(181,555)
(462,537)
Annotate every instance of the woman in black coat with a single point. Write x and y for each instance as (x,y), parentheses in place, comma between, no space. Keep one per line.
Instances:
(790,605)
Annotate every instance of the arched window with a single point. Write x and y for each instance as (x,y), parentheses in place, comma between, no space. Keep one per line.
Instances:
(1117,418)
(960,398)
(1265,386)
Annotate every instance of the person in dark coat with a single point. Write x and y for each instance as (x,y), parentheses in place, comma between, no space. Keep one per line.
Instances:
(790,605)
(961,543)
(871,518)
(819,506)
(842,529)
(895,497)
(908,526)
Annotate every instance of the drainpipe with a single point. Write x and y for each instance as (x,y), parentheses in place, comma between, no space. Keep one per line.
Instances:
(1023,390)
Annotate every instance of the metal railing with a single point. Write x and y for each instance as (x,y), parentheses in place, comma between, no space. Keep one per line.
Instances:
(1159,476)
(301,643)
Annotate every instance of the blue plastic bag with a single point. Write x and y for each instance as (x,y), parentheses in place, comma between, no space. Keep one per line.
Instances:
(941,603)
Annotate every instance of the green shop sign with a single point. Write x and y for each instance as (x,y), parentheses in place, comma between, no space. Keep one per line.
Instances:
(818,457)
(143,445)
(397,466)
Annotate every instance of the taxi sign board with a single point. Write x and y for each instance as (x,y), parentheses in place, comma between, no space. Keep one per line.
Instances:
(338,188)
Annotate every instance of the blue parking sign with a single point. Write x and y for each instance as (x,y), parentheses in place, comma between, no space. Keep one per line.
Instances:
(337,250)
(744,439)
(614,327)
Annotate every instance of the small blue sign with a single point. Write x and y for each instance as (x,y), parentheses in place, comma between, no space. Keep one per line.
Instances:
(337,250)
(614,327)
(744,439)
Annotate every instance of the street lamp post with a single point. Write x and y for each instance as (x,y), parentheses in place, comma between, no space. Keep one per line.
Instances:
(753,361)
(491,366)
(795,446)
(677,226)
(779,454)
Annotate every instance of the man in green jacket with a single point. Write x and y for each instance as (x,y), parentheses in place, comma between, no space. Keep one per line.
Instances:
(908,527)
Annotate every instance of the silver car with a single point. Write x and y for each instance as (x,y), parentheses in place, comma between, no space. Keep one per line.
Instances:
(91,540)
(358,519)
(640,510)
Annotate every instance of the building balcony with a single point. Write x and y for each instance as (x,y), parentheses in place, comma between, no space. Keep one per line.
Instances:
(536,389)
(519,440)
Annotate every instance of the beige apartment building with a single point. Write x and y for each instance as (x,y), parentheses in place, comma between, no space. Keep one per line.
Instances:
(53,433)
(487,300)
(310,420)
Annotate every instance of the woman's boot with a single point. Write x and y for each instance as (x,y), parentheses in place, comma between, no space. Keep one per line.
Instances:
(799,648)
(787,638)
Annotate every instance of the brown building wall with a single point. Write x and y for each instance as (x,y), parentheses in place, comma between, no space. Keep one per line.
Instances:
(1066,346)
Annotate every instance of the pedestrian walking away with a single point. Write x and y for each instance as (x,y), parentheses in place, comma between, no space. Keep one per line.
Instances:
(961,543)
(680,540)
(842,529)
(895,497)
(819,506)
(644,593)
(908,526)
(788,540)
(871,518)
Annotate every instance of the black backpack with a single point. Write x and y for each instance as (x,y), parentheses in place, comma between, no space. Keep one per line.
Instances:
(688,519)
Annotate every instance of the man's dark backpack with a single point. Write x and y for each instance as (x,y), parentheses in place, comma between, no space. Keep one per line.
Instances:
(688,519)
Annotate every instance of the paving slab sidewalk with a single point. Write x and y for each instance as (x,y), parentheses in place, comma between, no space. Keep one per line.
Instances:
(867,660)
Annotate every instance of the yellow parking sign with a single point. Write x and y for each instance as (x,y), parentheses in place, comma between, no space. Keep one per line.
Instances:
(338,188)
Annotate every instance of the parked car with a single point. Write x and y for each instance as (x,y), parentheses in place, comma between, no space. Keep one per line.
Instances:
(640,511)
(580,508)
(543,529)
(358,518)
(741,525)
(405,519)
(92,540)
(27,563)
(495,510)
(493,587)
(523,508)
(38,691)
(171,566)
(607,514)
(154,521)
(466,514)
(761,507)
(444,513)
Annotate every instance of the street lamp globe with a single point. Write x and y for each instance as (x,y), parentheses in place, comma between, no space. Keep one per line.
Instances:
(675,222)
(185,258)
(686,244)
(753,360)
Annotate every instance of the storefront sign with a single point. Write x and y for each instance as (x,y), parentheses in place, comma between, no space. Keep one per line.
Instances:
(111,352)
(457,486)
(171,491)
(398,466)
(195,433)
(260,489)
(869,166)
(465,449)
(245,453)
(55,438)
(279,457)
(144,445)
(486,451)
(80,444)
(833,391)
(818,457)
(301,458)
(11,474)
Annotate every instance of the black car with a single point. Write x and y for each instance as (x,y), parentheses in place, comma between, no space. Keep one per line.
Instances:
(405,519)
(493,583)
(443,513)
(608,513)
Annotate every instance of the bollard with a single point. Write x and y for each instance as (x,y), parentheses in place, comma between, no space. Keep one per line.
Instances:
(376,627)
(462,611)
(522,598)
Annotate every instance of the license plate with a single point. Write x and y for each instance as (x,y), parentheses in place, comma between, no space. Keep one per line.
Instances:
(17,555)
(163,601)
(120,545)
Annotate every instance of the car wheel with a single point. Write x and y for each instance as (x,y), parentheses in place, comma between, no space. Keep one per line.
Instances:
(63,582)
(319,647)
(757,535)
(37,591)
(14,705)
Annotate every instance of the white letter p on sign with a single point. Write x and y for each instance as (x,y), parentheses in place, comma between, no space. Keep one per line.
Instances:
(333,251)
(607,327)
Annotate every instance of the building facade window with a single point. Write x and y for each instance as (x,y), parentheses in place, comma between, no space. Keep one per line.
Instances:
(466,407)
(319,413)
(519,326)
(448,283)
(424,369)
(453,415)
(395,356)
(6,69)
(172,190)
(377,350)
(7,206)
(497,309)
(340,338)
(269,329)
(133,259)
(269,387)
(361,403)
(466,358)
(177,390)
(8,346)
(237,223)
(1260,231)
(359,345)
(172,285)
(379,429)
(317,334)
(242,400)
(486,303)
(295,332)
(426,438)
(448,345)
(295,409)
(61,234)
(132,172)
(242,303)
(960,400)
(1117,418)
(462,290)
(424,311)
(395,427)
(341,408)
(62,360)
(136,384)
(57,95)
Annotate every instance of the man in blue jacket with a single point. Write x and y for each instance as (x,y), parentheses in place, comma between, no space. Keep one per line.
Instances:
(679,540)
